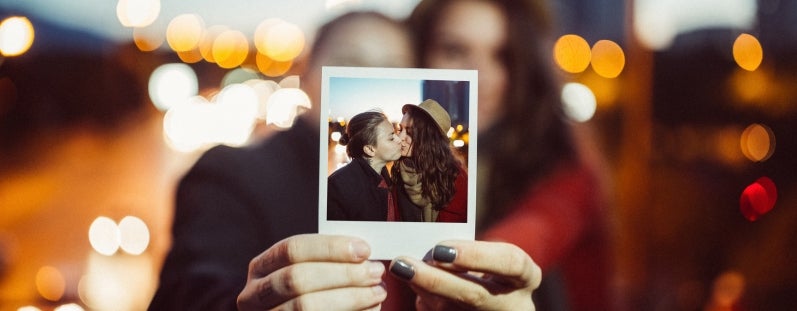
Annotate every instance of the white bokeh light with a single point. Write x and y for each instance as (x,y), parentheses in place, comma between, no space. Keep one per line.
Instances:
(137,13)
(579,101)
(171,84)
(134,235)
(657,23)
(236,113)
(283,106)
(104,236)
(69,307)
(263,89)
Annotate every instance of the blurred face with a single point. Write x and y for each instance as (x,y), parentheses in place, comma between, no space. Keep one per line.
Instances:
(472,35)
(388,145)
(404,134)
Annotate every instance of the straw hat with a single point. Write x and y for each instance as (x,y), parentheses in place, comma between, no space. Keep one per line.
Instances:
(434,110)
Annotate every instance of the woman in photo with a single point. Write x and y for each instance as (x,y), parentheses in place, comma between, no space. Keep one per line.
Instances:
(361,190)
(429,173)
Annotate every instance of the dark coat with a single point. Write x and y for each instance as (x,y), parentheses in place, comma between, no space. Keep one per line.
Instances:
(353,193)
(232,205)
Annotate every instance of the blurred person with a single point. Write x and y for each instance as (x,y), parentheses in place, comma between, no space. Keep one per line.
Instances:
(537,189)
(428,172)
(361,190)
(236,202)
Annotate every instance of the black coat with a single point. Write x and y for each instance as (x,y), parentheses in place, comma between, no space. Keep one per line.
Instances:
(353,193)
(232,205)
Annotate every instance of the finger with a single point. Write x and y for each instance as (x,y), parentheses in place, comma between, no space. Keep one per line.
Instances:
(350,298)
(303,278)
(426,279)
(505,262)
(308,248)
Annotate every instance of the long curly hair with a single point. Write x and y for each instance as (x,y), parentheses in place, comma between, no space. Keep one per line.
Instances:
(531,134)
(432,158)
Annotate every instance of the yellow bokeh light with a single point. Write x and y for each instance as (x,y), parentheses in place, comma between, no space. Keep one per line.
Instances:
(279,40)
(16,36)
(190,56)
(184,32)
(572,53)
(270,67)
(208,38)
(757,142)
(230,49)
(50,283)
(137,13)
(147,39)
(747,52)
(608,59)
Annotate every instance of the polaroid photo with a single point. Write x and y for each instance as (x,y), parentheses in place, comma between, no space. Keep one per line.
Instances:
(348,91)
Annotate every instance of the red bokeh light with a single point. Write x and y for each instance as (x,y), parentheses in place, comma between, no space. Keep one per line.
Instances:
(758,198)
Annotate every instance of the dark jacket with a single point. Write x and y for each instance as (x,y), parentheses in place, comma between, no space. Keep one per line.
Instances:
(353,193)
(232,205)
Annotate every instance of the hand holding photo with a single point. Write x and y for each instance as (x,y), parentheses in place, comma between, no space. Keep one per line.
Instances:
(395,147)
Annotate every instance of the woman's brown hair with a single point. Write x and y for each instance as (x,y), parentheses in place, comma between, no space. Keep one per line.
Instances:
(531,134)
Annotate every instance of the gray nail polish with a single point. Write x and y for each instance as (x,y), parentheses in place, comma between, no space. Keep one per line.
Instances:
(403,270)
(444,253)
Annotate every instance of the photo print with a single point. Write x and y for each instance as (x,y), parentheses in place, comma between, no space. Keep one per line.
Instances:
(398,157)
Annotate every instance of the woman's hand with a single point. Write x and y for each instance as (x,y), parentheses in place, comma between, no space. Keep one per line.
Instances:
(471,275)
(314,272)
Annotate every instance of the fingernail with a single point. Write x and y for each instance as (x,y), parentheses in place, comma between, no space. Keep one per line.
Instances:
(376,269)
(402,270)
(360,250)
(443,253)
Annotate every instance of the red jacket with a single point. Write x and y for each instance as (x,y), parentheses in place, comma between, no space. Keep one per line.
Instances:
(560,222)
(457,208)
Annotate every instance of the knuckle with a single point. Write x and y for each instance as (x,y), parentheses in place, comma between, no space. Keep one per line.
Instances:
(289,281)
(476,299)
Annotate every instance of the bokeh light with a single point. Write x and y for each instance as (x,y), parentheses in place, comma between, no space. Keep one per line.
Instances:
(184,124)
(279,40)
(148,39)
(270,67)
(230,49)
(579,101)
(654,26)
(170,84)
(263,89)
(50,283)
(69,307)
(137,13)
(28,308)
(228,118)
(728,289)
(608,59)
(191,56)
(184,32)
(758,198)
(757,142)
(283,106)
(335,136)
(208,38)
(134,235)
(104,236)
(747,52)
(572,53)
(16,36)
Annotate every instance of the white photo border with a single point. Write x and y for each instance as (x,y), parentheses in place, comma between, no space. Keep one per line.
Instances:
(391,239)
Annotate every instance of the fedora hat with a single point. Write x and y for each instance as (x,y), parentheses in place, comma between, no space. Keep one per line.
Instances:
(433,109)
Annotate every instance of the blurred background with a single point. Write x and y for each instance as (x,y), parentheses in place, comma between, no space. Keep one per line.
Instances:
(691,104)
